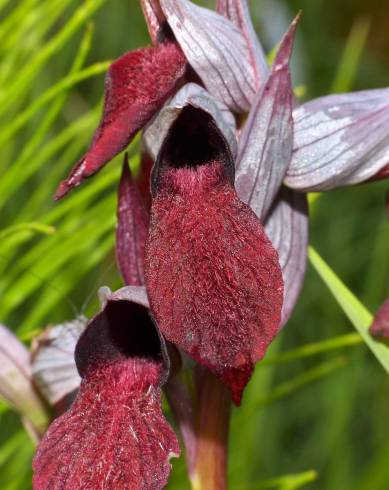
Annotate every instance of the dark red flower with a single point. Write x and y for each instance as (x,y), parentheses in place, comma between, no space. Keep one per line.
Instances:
(137,85)
(115,431)
(213,278)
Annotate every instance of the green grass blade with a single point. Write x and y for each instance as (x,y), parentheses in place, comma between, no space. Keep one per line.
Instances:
(313,349)
(291,385)
(357,313)
(18,172)
(23,81)
(49,118)
(351,56)
(65,84)
(285,482)
(38,227)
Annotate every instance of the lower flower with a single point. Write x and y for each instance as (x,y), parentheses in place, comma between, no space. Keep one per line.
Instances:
(115,435)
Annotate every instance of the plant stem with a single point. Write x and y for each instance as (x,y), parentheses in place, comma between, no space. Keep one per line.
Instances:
(213,416)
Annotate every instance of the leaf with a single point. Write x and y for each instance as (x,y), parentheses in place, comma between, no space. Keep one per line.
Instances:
(38,227)
(51,94)
(29,71)
(284,482)
(313,349)
(294,384)
(351,55)
(357,313)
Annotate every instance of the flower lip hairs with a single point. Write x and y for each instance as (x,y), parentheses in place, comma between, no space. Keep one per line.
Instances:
(214,257)
(212,275)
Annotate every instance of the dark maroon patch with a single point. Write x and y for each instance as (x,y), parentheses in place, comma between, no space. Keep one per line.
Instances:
(213,278)
(143,178)
(115,435)
(380,325)
(131,230)
(136,86)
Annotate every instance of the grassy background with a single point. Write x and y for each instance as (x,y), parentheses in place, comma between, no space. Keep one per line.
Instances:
(321,418)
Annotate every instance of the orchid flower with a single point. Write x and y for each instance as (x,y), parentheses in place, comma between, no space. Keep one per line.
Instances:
(114,435)
(222,247)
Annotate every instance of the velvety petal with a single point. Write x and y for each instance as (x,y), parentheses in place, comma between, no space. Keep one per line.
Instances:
(216,50)
(266,141)
(238,13)
(131,229)
(137,85)
(212,276)
(16,384)
(340,140)
(115,435)
(191,95)
(380,325)
(287,227)
(52,361)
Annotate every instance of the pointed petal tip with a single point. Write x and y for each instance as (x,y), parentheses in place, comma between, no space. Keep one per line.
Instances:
(380,325)
(236,380)
(137,85)
(285,48)
(61,191)
(126,170)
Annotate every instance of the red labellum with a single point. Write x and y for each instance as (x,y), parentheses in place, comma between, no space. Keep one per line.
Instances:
(380,325)
(213,278)
(115,435)
(136,86)
(131,230)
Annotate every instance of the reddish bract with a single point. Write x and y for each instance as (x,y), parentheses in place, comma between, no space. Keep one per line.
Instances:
(137,85)
(131,230)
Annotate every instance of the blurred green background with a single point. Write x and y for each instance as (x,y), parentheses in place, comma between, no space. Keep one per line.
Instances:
(322,418)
